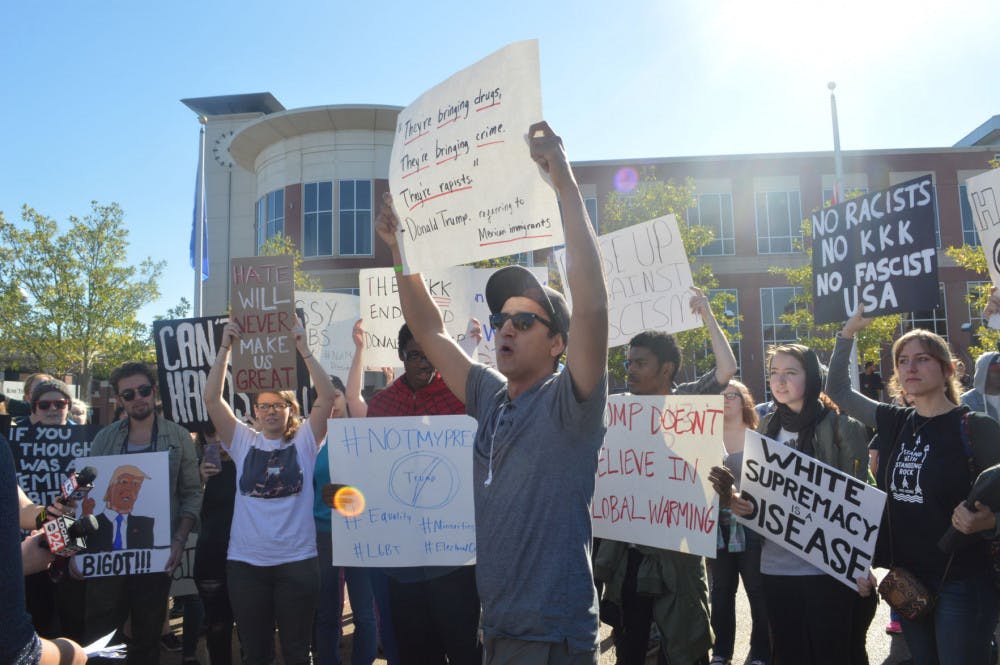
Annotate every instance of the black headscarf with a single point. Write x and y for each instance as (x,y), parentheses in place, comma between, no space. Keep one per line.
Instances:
(803,423)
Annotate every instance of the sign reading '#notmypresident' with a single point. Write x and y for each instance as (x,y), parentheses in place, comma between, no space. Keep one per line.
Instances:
(811,509)
(878,251)
(652,483)
(460,173)
(263,306)
(983,192)
(648,277)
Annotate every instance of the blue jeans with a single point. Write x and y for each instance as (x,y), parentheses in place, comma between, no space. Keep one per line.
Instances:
(330,609)
(380,584)
(727,569)
(958,630)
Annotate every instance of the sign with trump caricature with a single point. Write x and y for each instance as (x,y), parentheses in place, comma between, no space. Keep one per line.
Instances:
(131,502)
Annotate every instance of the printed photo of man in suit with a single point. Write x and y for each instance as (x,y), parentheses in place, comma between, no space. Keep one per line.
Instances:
(118,528)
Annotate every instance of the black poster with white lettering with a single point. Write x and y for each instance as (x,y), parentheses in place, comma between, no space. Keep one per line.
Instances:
(185,351)
(43,456)
(879,251)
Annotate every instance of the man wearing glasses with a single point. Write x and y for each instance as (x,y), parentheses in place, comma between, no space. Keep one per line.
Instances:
(109,600)
(681,611)
(539,432)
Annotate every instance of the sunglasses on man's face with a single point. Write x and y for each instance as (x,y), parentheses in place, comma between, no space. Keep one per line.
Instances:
(521,321)
(129,394)
(46,404)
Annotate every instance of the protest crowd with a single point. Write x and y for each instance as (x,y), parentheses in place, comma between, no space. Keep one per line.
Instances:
(258,491)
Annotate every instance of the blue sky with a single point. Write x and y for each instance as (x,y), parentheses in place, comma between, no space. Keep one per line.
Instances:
(90,107)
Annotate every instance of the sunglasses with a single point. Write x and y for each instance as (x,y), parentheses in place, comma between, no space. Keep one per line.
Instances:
(276,406)
(46,404)
(521,321)
(129,394)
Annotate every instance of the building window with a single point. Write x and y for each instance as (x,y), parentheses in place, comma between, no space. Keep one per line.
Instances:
(935,320)
(355,217)
(317,219)
(732,307)
(828,194)
(350,291)
(779,222)
(775,302)
(590,203)
(969,234)
(975,295)
(715,211)
(270,216)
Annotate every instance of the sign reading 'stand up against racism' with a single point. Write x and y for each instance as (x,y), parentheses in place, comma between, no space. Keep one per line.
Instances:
(878,251)
(460,173)
(652,483)
(649,279)
(811,509)
(263,306)
(984,200)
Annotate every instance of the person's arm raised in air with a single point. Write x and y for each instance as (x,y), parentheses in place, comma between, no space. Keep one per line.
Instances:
(319,411)
(725,361)
(587,355)
(838,381)
(218,410)
(421,313)
(356,404)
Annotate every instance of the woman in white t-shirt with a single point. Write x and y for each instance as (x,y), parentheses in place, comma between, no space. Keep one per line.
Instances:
(272,569)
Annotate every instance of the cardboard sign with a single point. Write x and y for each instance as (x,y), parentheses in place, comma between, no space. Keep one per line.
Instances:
(137,488)
(984,199)
(450,289)
(185,353)
(45,456)
(460,173)
(652,483)
(649,279)
(811,509)
(329,322)
(182,583)
(263,304)
(416,476)
(878,251)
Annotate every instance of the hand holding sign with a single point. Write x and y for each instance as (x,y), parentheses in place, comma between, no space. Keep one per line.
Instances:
(387,223)
(992,310)
(855,324)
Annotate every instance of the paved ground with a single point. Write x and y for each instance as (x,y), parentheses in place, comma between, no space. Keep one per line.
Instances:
(882,649)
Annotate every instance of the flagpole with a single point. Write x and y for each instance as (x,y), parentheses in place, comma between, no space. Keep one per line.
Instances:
(199,207)
(838,196)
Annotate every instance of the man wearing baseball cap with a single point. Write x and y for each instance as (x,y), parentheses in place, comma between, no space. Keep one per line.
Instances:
(539,432)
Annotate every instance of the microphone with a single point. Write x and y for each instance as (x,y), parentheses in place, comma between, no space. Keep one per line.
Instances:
(65,537)
(77,485)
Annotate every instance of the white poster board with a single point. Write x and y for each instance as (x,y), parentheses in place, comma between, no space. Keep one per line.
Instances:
(649,279)
(460,173)
(652,483)
(140,491)
(811,509)
(415,474)
(984,199)
(329,322)
(381,315)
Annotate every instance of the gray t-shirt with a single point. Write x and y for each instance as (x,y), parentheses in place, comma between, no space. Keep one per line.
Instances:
(533,531)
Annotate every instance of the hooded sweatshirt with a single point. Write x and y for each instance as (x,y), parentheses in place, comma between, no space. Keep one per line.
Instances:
(976,399)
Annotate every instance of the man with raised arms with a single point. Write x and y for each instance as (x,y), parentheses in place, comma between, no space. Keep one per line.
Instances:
(539,432)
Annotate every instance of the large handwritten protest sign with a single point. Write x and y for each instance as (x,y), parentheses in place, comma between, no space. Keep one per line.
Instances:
(263,304)
(878,251)
(416,476)
(136,488)
(185,352)
(811,509)
(652,473)
(983,192)
(450,289)
(44,456)
(648,279)
(329,321)
(460,172)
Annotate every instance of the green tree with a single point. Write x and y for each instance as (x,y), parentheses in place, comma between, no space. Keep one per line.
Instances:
(68,300)
(282,244)
(822,337)
(652,198)
(973,259)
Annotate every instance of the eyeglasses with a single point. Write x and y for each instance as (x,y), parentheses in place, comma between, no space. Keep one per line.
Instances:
(414,356)
(275,406)
(129,394)
(521,321)
(46,404)
(732,396)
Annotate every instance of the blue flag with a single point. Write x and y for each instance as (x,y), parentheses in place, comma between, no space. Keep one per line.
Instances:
(200,213)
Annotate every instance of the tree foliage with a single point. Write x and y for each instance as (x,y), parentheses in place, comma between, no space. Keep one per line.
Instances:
(652,198)
(69,300)
(282,244)
(974,259)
